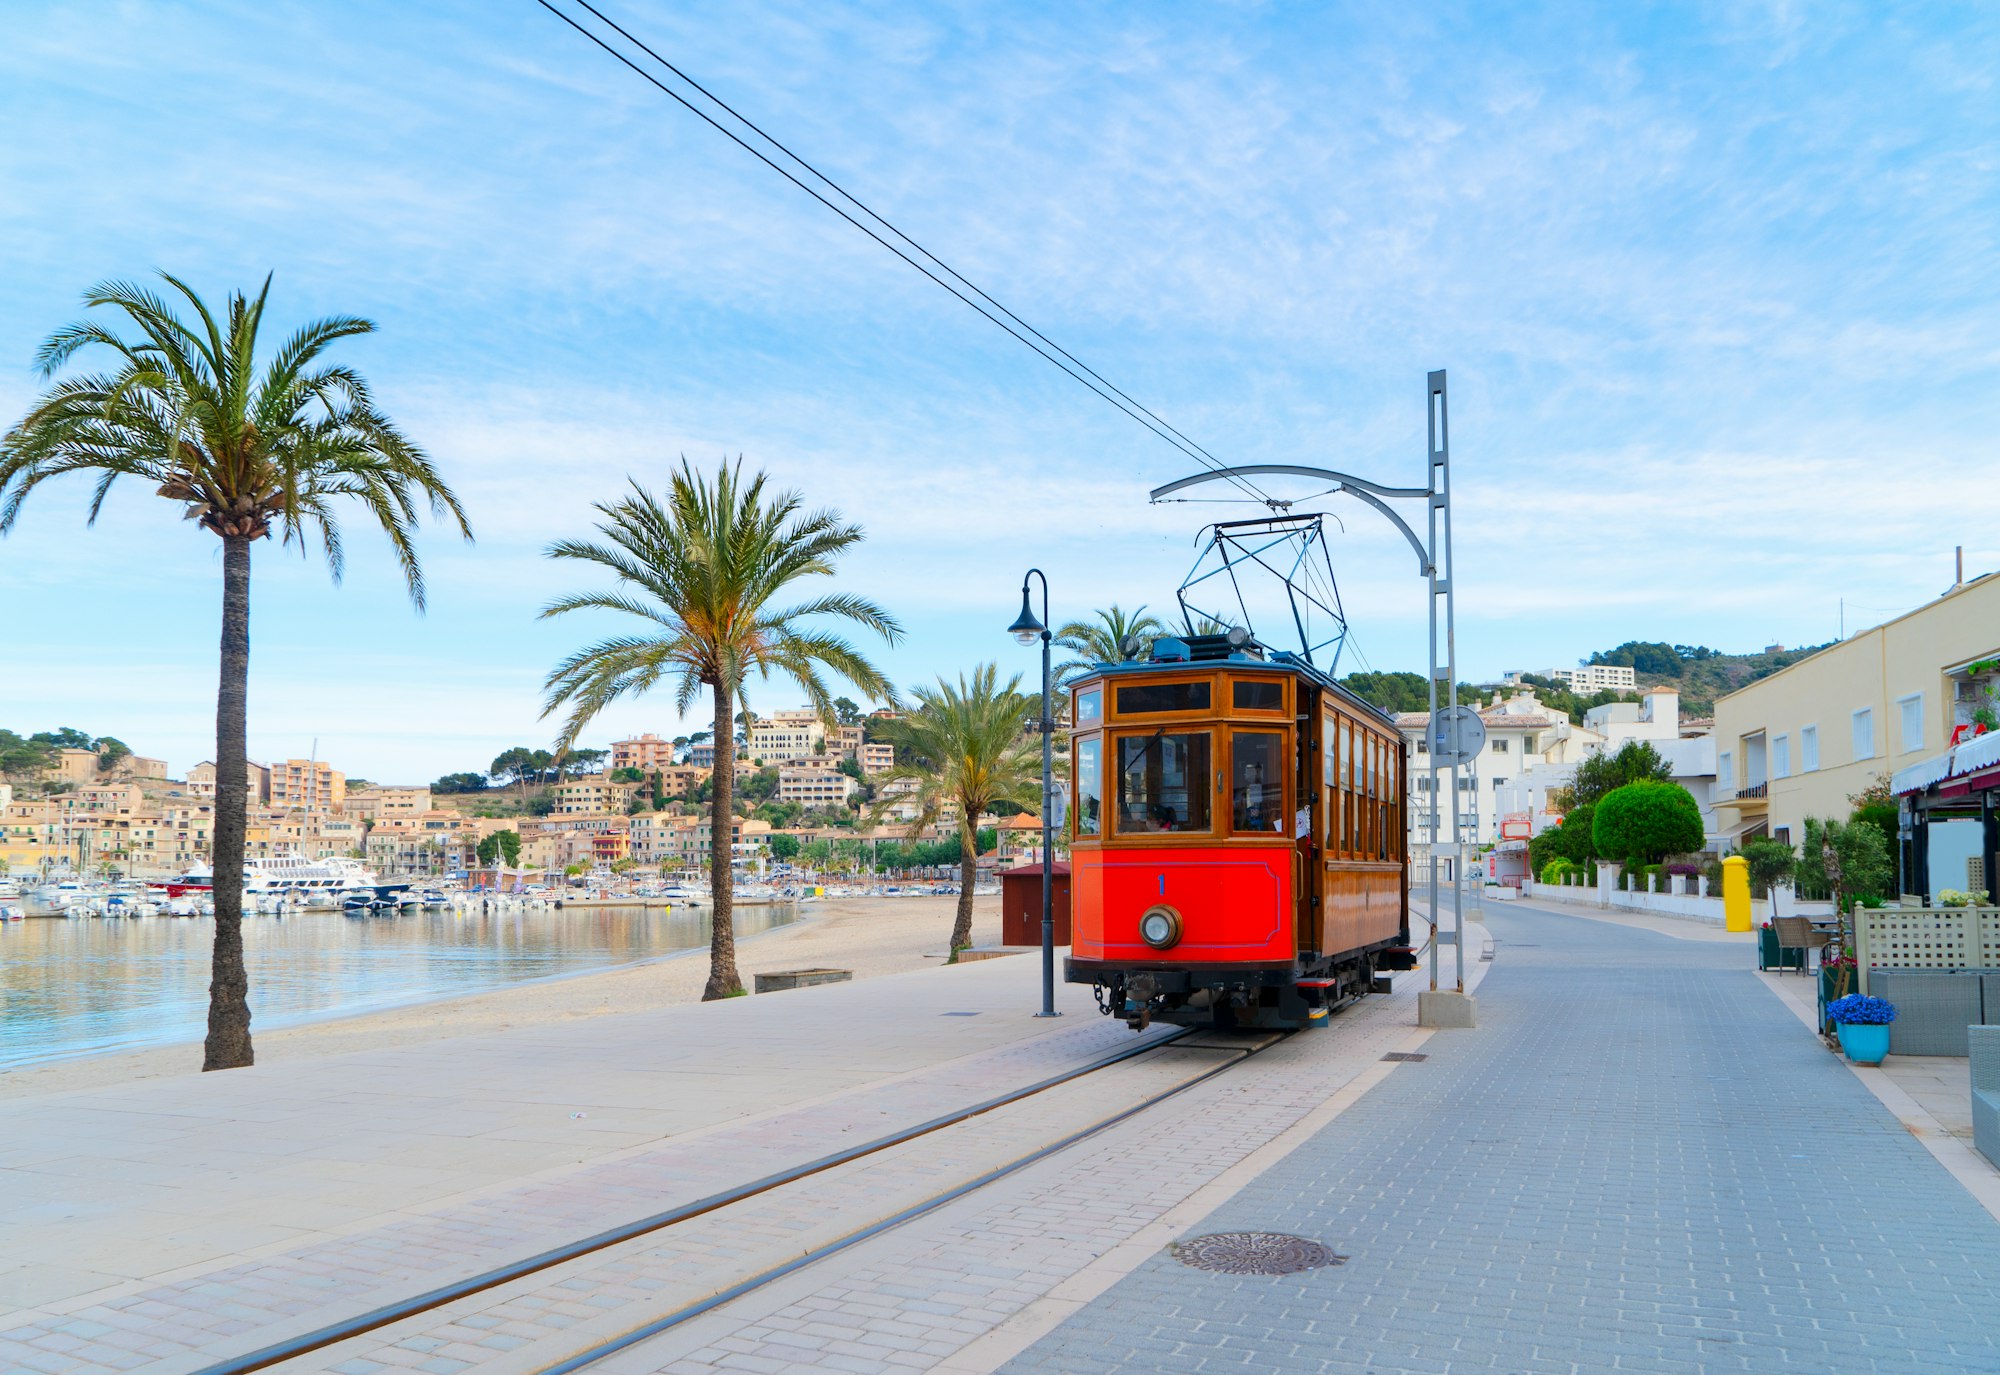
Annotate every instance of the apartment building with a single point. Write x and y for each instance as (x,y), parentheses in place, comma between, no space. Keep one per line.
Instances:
(846,742)
(381,802)
(257,778)
(1520,731)
(1583,680)
(309,785)
(784,736)
(814,787)
(648,752)
(877,758)
(591,796)
(1802,741)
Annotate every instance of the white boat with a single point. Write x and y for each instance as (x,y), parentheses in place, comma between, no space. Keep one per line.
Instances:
(299,881)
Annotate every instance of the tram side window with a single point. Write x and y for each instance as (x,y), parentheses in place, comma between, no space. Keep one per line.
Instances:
(1090,706)
(1089,790)
(1140,698)
(1256,787)
(1163,782)
(1330,772)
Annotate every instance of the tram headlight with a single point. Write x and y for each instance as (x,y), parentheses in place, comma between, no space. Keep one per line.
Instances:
(1160,927)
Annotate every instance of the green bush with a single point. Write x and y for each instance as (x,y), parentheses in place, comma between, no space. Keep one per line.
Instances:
(1556,870)
(1847,862)
(1771,862)
(1642,821)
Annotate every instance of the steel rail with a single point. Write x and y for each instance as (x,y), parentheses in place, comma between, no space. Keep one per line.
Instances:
(647,1331)
(375,1318)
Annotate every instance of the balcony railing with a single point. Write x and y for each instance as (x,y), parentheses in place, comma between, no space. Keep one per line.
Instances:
(1755,790)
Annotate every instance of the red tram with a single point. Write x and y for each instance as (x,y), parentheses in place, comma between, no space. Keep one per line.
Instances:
(1237,838)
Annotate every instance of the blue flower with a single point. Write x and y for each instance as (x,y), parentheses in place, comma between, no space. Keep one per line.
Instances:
(1858,1009)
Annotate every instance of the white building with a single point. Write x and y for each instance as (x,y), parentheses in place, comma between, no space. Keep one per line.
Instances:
(784,736)
(814,787)
(1587,679)
(1532,749)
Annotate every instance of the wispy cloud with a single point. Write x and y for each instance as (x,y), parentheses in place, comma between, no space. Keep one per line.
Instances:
(1714,286)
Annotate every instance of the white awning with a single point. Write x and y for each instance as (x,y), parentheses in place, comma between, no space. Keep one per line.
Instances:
(1980,752)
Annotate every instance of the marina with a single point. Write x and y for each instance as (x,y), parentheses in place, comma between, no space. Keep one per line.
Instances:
(81,987)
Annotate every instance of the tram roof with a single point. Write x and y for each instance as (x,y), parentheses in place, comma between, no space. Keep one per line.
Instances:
(1206,653)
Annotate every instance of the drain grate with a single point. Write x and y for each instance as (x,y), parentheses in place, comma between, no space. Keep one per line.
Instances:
(1409,1055)
(1254,1253)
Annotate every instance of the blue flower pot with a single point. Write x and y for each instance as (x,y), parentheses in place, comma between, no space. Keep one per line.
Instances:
(1864,1045)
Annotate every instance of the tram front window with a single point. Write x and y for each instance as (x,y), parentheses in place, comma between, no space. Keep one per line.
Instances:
(1163,782)
(1256,792)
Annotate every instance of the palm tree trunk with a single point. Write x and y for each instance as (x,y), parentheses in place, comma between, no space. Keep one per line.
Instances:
(228,1045)
(968,871)
(723,980)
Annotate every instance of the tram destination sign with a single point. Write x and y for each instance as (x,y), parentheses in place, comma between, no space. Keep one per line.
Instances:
(1457,735)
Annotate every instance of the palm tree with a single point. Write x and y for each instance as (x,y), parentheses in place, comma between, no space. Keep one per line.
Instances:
(1102,640)
(963,747)
(701,570)
(246,450)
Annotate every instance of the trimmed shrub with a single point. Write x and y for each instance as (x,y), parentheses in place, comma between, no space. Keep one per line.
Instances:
(1643,821)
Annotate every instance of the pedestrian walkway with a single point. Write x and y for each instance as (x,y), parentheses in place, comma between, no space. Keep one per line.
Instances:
(1640,1162)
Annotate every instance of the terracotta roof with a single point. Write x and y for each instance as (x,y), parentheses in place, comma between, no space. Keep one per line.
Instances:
(1491,716)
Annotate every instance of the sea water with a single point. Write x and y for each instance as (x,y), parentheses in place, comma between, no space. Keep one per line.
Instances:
(84,986)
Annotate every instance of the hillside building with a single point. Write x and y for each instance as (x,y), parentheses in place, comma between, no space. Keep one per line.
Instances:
(1584,680)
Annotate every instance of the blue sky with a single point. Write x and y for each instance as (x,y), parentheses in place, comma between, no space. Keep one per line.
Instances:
(1715,286)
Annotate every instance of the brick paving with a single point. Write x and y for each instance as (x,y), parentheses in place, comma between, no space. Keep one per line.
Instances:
(181,1319)
(922,1297)
(1639,1162)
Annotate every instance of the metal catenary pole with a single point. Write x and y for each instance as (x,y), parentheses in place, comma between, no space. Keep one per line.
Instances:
(1434,554)
(1440,470)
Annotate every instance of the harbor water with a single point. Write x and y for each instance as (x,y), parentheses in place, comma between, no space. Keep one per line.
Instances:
(81,987)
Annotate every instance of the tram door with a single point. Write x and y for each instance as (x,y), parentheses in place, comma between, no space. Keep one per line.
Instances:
(1308,872)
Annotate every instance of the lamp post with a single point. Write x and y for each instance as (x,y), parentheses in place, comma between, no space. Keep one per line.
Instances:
(1026,630)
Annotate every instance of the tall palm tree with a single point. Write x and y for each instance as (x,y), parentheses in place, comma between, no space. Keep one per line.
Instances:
(247,447)
(962,745)
(1102,640)
(701,570)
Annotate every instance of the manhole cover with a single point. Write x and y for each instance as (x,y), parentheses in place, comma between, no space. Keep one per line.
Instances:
(1254,1253)
(1405,1055)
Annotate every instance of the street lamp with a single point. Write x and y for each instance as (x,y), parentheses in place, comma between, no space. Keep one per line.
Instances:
(1026,630)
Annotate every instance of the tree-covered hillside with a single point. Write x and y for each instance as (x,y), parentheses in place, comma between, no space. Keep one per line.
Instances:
(1700,673)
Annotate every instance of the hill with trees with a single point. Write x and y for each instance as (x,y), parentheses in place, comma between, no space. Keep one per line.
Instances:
(1699,673)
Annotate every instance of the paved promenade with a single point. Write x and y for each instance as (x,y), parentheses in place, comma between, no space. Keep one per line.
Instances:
(1640,1162)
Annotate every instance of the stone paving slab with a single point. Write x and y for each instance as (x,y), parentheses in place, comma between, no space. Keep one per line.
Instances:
(324,1215)
(961,1290)
(552,1315)
(1640,1162)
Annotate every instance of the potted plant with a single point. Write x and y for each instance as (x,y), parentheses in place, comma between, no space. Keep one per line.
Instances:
(1862,1023)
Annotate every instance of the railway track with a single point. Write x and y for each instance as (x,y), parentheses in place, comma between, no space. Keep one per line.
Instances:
(631,1239)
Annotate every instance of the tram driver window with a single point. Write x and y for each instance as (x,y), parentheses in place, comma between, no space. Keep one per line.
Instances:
(1163,782)
(1256,781)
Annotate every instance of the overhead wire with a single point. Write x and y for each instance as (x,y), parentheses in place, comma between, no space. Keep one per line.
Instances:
(990,310)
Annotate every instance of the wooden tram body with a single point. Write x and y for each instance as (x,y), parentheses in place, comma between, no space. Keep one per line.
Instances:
(1237,837)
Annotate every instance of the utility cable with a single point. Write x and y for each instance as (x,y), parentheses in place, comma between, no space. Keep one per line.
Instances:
(997,314)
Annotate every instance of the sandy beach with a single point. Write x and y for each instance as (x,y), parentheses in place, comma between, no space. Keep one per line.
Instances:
(870,936)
